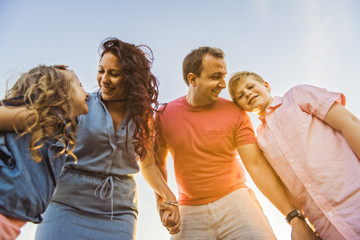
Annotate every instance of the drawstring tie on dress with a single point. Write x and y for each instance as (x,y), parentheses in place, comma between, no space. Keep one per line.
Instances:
(102,191)
(105,188)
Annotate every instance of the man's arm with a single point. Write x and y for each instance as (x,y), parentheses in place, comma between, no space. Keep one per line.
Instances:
(342,120)
(272,187)
(12,118)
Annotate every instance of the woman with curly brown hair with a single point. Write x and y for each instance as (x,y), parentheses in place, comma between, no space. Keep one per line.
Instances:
(96,198)
(31,161)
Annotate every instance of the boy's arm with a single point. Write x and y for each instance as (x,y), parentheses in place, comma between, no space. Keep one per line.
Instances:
(342,120)
(13,117)
(272,187)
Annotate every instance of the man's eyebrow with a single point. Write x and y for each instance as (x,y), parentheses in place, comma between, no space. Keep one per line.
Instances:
(218,73)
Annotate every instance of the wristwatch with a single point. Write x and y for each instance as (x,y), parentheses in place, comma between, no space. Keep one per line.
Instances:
(293,214)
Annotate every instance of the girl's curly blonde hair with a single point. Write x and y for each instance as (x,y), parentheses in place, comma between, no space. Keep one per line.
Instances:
(44,92)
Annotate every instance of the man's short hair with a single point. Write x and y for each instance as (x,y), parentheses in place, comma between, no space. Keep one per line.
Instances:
(193,61)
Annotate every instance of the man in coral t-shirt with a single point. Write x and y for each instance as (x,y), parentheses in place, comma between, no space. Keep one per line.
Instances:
(204,134)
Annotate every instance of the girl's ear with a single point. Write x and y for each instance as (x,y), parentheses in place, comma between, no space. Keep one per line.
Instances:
(267,86)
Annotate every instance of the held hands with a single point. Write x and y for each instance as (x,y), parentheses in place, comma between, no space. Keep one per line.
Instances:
(301,230)
(170,216)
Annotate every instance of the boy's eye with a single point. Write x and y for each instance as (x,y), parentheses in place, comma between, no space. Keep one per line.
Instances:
(251,86)
(100,71)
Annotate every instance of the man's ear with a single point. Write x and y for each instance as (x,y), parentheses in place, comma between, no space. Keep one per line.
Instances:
(267,85)
(192,79)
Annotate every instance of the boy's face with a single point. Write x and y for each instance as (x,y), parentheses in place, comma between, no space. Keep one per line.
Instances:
(253,96)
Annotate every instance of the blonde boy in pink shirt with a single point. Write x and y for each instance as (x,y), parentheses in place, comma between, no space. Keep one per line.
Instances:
(312,142)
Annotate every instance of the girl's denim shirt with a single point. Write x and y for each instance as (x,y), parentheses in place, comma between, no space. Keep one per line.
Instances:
(26,186)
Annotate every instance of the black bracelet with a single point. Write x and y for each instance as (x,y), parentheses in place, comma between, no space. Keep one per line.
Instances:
(293,214)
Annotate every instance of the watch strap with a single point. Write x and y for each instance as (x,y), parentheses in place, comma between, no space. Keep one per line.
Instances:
(293,214)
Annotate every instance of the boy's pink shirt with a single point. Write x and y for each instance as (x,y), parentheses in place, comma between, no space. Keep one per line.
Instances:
(313,160)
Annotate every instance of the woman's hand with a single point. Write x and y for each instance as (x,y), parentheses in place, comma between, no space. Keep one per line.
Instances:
(170,217)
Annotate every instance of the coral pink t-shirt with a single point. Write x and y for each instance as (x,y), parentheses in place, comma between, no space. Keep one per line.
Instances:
(202,142)
(313,160)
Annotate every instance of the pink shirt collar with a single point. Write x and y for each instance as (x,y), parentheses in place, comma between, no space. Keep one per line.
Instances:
(277,101)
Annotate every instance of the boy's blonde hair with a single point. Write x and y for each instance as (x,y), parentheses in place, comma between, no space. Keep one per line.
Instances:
(44,91)
(239,77)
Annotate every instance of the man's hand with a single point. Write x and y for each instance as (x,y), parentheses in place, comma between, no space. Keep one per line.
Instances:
(170,217)
(302,231)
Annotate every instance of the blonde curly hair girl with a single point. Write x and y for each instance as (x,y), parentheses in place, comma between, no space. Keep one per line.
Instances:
(44,91)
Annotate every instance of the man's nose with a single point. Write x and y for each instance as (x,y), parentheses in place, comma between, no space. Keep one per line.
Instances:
(222,83)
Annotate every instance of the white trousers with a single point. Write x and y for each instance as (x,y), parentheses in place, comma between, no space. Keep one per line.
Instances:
(238,215)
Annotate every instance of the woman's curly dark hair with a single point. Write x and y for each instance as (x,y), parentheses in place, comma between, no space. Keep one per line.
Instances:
(141,87)
(43,90)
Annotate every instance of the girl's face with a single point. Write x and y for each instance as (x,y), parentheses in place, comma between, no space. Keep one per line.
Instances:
(109,78)
(77,96)
(253,96)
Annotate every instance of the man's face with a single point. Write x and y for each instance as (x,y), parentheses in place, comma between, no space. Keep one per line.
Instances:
(211,81)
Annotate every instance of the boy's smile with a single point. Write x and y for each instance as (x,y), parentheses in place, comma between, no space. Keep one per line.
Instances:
(253,96)
(251,99)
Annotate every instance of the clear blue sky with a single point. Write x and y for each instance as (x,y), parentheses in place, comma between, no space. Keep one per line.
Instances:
(287,42)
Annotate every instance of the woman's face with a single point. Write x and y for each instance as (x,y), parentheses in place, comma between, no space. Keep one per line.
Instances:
(109,78)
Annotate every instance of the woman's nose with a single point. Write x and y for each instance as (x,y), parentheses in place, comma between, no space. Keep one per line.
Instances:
(104,78)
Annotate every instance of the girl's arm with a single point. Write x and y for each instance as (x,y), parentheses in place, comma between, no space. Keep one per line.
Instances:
(342,120)
(13,117)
